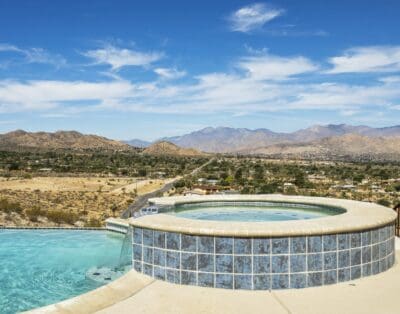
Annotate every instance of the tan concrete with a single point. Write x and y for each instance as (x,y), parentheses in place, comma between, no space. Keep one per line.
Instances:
(376,295)
(358,216)
(100,298)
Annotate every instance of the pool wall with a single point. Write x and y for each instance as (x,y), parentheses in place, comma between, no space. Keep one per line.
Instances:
(262,263)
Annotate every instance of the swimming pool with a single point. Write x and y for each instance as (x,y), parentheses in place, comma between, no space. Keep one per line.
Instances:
(40,267)
(252,211)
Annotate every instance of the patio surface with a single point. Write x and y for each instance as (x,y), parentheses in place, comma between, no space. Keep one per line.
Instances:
(375,294)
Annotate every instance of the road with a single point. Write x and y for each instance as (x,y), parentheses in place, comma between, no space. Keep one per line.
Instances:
(142,200)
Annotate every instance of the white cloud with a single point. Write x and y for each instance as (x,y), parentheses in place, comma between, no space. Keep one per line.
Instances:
(121,57)
(252,17)
(35,55)
(169,73)
(270,67)
(367,59)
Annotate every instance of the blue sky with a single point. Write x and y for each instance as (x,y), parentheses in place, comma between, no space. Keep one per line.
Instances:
(148,69)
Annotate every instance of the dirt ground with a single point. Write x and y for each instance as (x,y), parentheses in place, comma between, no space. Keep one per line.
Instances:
(87,198)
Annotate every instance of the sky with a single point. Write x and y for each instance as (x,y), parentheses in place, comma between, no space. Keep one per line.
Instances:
(150,69)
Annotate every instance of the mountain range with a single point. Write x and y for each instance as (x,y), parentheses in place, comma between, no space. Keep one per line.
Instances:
(234,140)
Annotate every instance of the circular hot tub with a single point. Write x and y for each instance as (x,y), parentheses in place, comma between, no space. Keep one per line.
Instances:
(263,242)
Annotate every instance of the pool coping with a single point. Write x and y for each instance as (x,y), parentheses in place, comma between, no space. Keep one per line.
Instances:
(358,216)
(95,300)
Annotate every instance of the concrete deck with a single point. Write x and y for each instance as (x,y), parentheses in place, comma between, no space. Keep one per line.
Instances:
(375,294)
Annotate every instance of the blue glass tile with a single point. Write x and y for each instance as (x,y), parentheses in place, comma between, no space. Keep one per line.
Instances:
(382,250)
(137,252)
(343,241)
(366,238)
(148,269)
(137,266)
(374,236)
(382,234)
(206,280)
(391,259)
(375,268)
(344,259)
(298,245)
(298,281)
(280,281)
(159,272)
(205,262)
(148,237)
(298,263)
(224,281)
(262,282)
(173,275)
(173,240)
(159,239)
(355,272)
(279,264)
(148,255)
(329,242)
(314,262)
(375,252)
(330,277)
(223,245)
(355,257)
(242,264)
(188,243)
(366,254)
(314,244)
(188,278)
(343,274)
(137,235)
(330,260)
(261,246)
(224,263)
(355,240)
(243,282)
(366,270)
(206,244)
(159,257)
(280,245)
(382,265)
(261,264)
(314,279)
(173,259)
(188,261)
(242,246)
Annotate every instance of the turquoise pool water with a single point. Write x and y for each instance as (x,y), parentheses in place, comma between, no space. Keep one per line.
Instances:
(40,267)
(252,211)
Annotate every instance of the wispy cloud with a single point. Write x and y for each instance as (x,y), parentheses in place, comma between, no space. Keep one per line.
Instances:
(35,55)
(269,67)
(121,57)
(367,59)
(169,73)
(252,17)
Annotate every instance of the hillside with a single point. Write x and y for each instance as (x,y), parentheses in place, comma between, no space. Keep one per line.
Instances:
(335,147)
(22,140)
(166,148)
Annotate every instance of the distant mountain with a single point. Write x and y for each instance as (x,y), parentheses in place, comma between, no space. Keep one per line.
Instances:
(166,148)
(230,140)
(22,140)
(336,147)
(138,143)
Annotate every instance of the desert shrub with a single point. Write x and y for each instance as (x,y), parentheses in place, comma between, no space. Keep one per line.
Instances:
(384,202)
(9,207)
(93,223)
(34,213)
(60,216)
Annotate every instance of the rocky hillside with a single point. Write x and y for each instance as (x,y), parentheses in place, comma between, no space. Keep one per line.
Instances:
(166,148)
(21,140)
(336,147)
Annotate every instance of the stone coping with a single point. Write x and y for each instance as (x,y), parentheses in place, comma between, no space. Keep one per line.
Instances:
(358,216)
(100,298)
